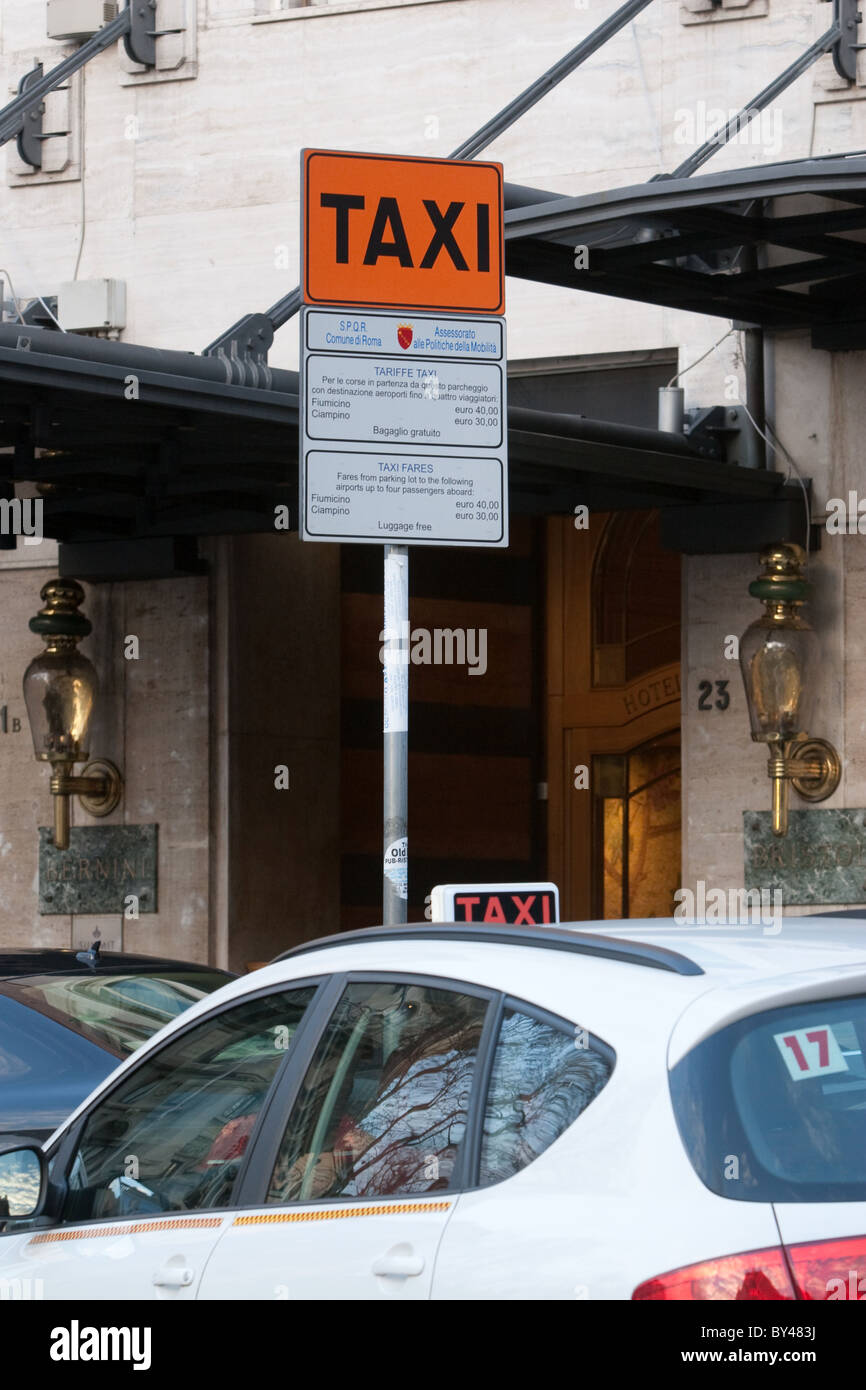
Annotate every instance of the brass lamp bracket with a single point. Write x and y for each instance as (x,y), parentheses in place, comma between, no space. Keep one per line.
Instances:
(107,787)
(813,768)
(99,789)
(777,652)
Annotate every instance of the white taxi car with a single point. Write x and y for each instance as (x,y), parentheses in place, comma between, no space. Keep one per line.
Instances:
(621,1110)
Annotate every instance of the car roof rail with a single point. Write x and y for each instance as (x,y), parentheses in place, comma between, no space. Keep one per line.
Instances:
(549,938)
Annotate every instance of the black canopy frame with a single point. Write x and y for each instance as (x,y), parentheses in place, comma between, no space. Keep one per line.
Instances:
(132,474)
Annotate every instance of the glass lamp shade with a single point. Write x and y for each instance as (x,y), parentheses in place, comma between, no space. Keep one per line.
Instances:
(776,654)
(60,689)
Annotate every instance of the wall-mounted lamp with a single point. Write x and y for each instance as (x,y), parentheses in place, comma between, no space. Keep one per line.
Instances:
(60,689)
(777,653)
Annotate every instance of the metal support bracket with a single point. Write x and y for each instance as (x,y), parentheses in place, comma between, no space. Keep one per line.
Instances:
(708,428)
(140,41)
(844,50)
(31,135)
(244,350)
(11,116)
(724,431)
(38,312)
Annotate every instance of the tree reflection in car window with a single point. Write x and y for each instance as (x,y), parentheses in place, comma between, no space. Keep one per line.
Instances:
(543,1077)
(172,1135)
(383,1106)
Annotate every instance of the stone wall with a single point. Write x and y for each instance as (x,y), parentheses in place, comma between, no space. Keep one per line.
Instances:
(822,407)
(152,720)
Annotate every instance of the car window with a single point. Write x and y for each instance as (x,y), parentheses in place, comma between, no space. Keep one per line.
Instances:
(171,1135)
(33,1048)
(544,1075)
(772,1108)
(116,1012)
(383,1106)
(45,1070)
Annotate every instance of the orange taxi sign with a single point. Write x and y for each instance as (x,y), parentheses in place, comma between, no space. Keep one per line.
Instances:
(390,231)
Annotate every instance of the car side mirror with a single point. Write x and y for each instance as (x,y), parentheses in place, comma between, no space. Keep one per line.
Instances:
(23,1177)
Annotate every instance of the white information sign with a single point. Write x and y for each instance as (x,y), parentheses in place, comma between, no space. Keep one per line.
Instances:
(403,429)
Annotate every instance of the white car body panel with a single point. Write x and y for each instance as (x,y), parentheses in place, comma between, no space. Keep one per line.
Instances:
(325,1250)
(116,1259)
(802,1221)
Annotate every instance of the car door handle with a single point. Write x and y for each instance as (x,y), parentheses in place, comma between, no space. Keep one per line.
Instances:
(403,1264)
(173,1277)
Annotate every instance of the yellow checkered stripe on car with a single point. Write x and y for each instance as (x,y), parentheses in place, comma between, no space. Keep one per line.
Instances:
(192,1223)
(183,1223)
(339,1213)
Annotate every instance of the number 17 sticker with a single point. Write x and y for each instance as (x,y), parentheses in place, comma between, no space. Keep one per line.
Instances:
(810,1051)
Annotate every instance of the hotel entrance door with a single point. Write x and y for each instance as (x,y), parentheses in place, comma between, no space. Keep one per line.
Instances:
(613,714)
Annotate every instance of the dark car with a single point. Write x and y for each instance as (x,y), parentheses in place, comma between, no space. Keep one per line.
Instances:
(68,1018)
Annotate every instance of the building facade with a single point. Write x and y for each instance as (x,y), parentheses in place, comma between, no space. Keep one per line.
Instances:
(246,717)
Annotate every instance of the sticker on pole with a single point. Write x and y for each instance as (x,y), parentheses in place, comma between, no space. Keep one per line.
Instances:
(395,670)
(395,704)
(395,866)
(809,1052)
(511,904)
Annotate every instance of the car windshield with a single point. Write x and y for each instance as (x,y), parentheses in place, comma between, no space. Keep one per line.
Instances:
(116,1012)
(773,1107)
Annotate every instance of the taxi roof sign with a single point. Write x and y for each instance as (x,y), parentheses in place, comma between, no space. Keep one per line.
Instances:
(394,231)
(511,904)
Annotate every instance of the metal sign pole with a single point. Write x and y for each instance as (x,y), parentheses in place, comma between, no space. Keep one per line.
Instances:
(395,863)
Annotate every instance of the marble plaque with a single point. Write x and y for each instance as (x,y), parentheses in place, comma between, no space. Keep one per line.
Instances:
(821,860)
(104,866)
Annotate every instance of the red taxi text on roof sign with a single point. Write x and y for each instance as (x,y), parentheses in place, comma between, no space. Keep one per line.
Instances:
(510,904)
(402,232)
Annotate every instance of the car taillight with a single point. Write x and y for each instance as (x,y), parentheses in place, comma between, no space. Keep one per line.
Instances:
(823,1270)
(756,1274)
(830,1269)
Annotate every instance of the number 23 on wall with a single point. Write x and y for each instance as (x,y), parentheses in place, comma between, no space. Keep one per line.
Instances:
(705,701)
